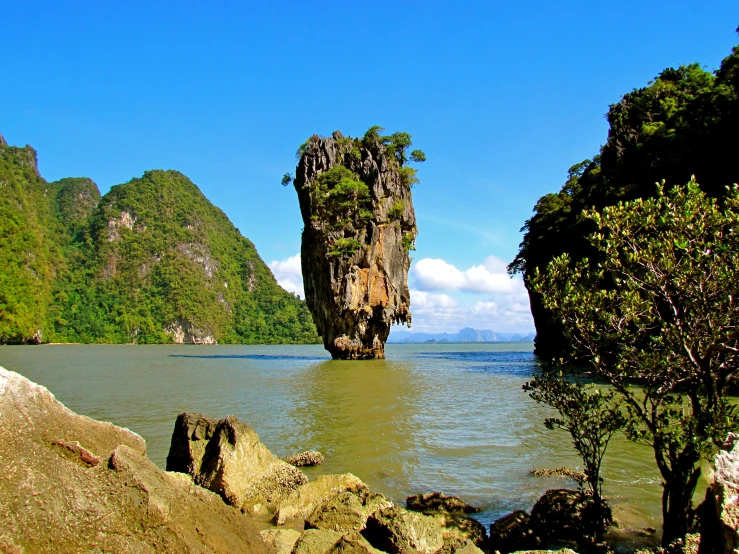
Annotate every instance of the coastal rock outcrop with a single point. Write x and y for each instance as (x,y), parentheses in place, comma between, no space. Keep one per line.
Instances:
(228,458)
(719,512)
(359,226)
(73,484)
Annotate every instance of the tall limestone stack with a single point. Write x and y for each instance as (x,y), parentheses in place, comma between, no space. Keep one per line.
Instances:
(355,199)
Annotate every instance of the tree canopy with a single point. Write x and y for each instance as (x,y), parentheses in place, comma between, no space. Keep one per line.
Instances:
(657,318)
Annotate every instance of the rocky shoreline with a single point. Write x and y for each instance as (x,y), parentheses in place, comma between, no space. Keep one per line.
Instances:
(73,484)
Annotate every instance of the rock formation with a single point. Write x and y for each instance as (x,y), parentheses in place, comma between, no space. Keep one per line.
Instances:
(73,484)
(359,226)
(227,458)
(719,512)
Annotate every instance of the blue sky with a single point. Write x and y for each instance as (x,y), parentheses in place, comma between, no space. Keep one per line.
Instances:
(502,96)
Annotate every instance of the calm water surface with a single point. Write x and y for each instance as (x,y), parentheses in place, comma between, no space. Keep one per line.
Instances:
(429,417)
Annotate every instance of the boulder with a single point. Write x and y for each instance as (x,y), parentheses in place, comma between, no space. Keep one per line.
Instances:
(316,541)
(439,502)
(227,457)
(353,543)
(460,528)
(347,511)
(512,532)
(563,514)
(309,458)
(399,531)
(719,512)
(281,540)
(302,501)
(56,497)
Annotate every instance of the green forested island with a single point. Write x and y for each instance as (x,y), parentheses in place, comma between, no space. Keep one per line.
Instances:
(683,123)
(152,261)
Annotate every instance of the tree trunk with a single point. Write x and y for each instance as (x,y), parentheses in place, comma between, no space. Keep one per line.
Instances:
(677,504)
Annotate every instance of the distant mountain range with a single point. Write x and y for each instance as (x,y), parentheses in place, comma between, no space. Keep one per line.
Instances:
(468,334)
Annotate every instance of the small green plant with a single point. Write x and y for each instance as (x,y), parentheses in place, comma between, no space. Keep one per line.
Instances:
(303,148)
(418,156)
(396,211)
(409,241)
(408,176)
(287,178)
(344,247)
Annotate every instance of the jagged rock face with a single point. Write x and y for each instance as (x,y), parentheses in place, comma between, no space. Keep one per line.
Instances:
(356,242)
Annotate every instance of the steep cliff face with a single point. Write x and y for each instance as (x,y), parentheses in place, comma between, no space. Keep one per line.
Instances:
(355,199)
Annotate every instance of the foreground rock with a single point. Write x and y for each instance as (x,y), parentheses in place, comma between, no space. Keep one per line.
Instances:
(227,458)
(359,226)
(73,484)
(281,540)
(719,512)
(302,501)
(347,511)
(396,530)
(511,533)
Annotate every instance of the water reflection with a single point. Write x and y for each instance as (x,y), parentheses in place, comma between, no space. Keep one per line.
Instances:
(361,416)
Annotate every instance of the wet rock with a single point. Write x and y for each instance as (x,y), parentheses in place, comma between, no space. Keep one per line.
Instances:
(355,243)
(54,497)
(399,531)
(233,463)
(316,541)
(578,476)
(719,512)
(439,502)
(511,533)
(309,458)
(302,501)
(347,511)
(282,540)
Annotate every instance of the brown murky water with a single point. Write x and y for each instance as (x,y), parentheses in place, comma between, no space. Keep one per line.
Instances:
(430,417)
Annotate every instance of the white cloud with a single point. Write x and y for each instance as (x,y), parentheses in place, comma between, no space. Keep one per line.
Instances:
(433,274)
(503,308)
(289,274)
(493,301)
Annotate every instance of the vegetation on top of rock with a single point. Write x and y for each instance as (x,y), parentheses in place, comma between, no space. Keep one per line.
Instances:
(683,123)
(152,261)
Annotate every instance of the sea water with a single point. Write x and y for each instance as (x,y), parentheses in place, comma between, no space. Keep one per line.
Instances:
(430,417)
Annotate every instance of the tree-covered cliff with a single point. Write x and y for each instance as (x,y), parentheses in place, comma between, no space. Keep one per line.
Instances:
(151,261)
(683,123)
